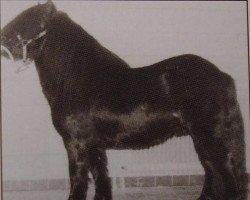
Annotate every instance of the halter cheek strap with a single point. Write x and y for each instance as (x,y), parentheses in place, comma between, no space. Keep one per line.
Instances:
(25,44)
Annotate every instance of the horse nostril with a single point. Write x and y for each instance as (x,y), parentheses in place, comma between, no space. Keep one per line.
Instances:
(4,53)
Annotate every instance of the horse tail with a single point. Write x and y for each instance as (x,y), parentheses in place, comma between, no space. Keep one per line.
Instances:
(233,135)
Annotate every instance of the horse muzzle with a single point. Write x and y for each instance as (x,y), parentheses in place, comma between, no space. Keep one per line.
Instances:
(5,52)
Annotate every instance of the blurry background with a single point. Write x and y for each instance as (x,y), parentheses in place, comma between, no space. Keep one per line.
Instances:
(141,33)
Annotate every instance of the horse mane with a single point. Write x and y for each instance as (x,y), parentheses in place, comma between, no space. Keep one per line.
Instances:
(74,60)
(61,26)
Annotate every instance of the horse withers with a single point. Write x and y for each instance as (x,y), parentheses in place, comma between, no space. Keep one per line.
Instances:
(98,102)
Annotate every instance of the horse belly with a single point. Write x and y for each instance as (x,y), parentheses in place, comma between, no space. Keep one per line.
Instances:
(152,133)
(138,129)
(135,130)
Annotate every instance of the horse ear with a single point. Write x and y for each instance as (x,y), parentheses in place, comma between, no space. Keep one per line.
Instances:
(49,8)
(49,2)
(49,11)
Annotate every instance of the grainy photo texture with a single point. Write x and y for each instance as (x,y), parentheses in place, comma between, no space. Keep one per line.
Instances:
(98,102)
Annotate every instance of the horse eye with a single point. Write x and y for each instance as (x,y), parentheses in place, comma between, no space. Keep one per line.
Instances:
(24,42)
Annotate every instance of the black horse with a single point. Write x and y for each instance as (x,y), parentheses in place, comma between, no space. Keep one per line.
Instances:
(98,102)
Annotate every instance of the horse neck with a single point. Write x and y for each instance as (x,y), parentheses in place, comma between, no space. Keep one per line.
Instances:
(72,59)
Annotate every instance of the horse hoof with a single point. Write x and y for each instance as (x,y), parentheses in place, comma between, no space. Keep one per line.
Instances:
(97,197)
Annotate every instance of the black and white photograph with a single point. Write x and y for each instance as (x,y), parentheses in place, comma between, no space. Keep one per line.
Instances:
(125,100)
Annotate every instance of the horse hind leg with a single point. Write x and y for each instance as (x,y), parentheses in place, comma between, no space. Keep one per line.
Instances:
(224,179)
(221,149)
(213,182)
(235,160)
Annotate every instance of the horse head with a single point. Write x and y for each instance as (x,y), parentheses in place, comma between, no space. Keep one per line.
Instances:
(24,36)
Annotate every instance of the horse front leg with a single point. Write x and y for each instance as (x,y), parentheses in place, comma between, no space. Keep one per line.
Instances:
(78,170)
(98,168)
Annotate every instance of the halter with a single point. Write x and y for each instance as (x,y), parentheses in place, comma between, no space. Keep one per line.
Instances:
(24,43)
